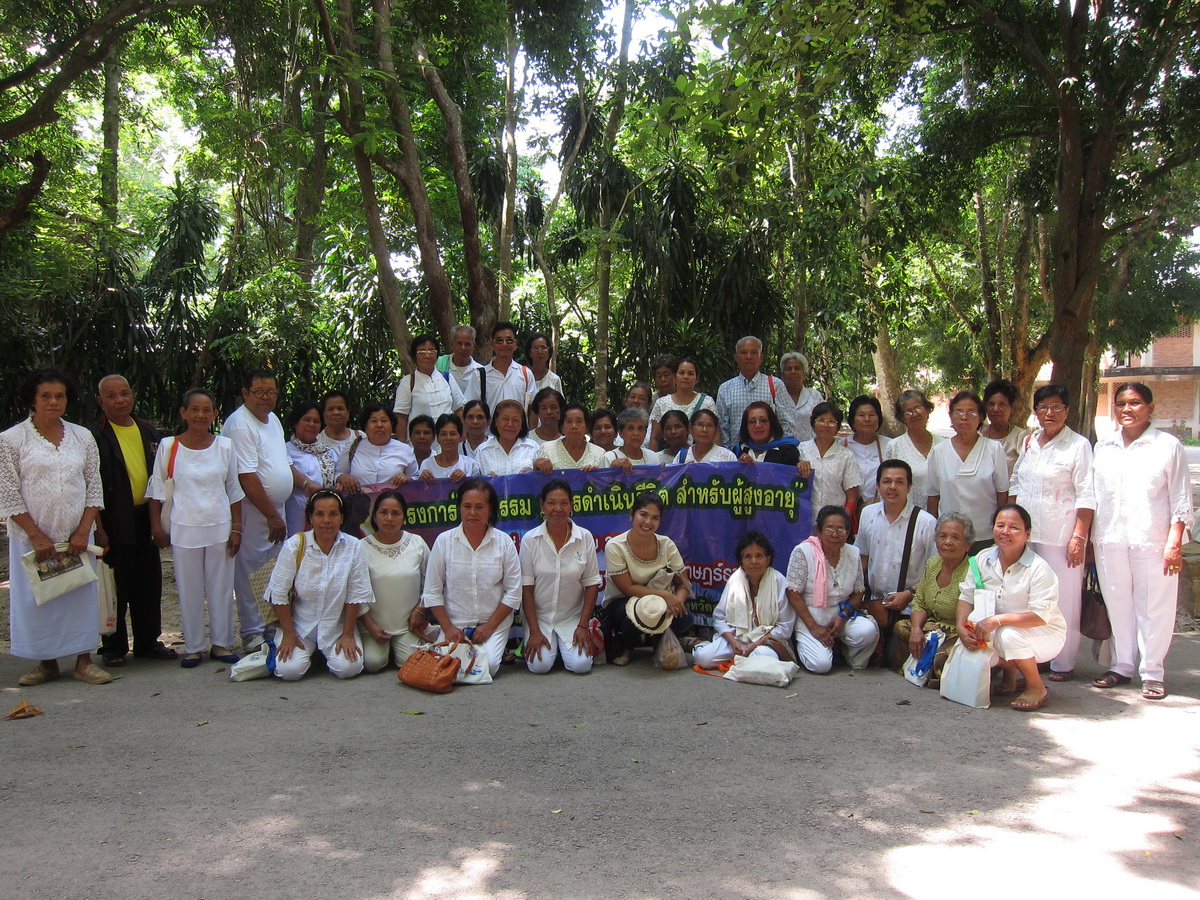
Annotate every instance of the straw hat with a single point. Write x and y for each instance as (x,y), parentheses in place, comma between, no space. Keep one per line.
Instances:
(649,613)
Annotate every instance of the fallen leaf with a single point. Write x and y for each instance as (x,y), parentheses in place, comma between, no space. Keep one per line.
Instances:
(631,759)
(974,812)
(580,725)
(412,712)
(24,711)
(701,723)
(790,696)
(205,722)
(556,810)
(1178,836)
(156,694)
(928,812)
(903,702)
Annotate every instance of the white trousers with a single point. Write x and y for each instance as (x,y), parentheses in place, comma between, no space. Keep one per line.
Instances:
(202,572)
(1040,644)
(1070,599)
(859,637)
(375,653)
(495,645)
(708,654)
(1141,603)
(256,551)
(339,666)
(560,642)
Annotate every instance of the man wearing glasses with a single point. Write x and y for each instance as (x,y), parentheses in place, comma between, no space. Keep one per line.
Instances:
(503,379)
(265,473)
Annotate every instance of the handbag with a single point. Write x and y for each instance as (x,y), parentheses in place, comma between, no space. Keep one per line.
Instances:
(106,594)
(967,677)
(58,575)
(1093,614)
(169,490)
(260,580)
(431,670)
(762,670)
(917,671)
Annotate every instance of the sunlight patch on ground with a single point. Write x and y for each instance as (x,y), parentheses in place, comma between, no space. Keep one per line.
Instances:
(466,881)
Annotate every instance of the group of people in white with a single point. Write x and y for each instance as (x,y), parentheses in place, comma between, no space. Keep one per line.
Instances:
(906,532)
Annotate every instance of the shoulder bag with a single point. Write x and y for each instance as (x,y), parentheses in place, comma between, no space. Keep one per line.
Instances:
(169,489)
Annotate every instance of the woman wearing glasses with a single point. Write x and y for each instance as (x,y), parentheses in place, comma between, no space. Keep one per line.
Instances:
(426,391)
(914,446)
(968,474)
(1053,480)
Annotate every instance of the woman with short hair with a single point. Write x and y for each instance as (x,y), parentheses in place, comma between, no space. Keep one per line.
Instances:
(706,431)
(631,424)
(675,436)
(314,465)
(548,407)
(509,450)
(378,457)
(836,479)
(967,473)
(685,398)
(604,429)
(473,580)
(999,403)
(866,444)
(560,575)
(539,351)
(476,418)
(425,391)
(761,437)
(448,462)
(573,450)
(914,446)
(798,401)
(394,624)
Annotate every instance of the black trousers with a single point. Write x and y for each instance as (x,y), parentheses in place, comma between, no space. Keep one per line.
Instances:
(620,634)
(137,569)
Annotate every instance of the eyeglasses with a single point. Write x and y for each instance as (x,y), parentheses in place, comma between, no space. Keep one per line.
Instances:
(915,411)
(263,395)
(965,414)
(507,340)
(835,529)
(1050,410)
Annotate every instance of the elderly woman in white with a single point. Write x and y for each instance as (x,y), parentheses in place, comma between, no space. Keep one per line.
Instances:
(1026,627)
(332,588)
(968,473)
(425,391)
(473,581)
(1053,480)
(798,401)
(753,617)
(560,575)
(825,588)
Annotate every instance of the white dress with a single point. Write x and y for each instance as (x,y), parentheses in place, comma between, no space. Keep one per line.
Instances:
(397,574)
(969,486)
(53,485)
(860,634)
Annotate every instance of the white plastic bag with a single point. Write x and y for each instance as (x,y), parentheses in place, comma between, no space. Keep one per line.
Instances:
(106,594)
(762,670)
(258,664)
(477,672)
(60,574)
(967,677)
(914,671)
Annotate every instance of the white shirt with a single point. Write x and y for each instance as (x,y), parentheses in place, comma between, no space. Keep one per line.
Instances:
(1141,490)
(462,374)
(867,457)
(261,450)
(841,581)
(549,380)
(970,485)
(1029,585)
(206,483)
(649,457)
(468,466)
(832,475)
(716,454)
(433,395)
(493,460)
(471,582)
(373,464)
(800,411)
(561,458)
(785,617)
(325,584)
(903,448)
(559,577)
(882,542)
(52,484)
(1052,482)
(516,383)
(339,447)
(664,405)
(397,572)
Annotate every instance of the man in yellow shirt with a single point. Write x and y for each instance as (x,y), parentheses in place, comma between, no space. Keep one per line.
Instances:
(127,446)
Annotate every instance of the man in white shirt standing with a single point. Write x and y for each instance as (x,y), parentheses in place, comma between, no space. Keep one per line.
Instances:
(748,386)
(895,540)
(460,363)
(265,473)
(504,379)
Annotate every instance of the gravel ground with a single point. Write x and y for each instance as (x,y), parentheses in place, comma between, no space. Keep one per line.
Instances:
(629,783)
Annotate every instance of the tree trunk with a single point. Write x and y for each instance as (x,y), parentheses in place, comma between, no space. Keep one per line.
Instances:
(18,210)
(508,215)
(311,179)
(480,294)
(607,213)
(110,130)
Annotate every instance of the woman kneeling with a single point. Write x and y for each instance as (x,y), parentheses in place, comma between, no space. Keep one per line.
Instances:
(1027,627)
(754,617)
(332,588)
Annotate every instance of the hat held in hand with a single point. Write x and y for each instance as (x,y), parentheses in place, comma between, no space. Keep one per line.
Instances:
(649,613)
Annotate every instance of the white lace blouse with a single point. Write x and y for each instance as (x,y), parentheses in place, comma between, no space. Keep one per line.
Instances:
(52,484)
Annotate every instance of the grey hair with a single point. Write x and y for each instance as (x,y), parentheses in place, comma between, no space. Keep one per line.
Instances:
(100,383)
(629,414)
(964,521)
(749,337)
(798,356)
(459,329)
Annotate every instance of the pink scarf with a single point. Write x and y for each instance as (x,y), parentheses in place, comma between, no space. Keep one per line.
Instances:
(819,577)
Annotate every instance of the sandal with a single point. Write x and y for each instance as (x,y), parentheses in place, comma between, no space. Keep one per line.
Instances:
(1061,676)
(1153,690)
(92,674)
(1026,703)
(1003,690)
(1110,680)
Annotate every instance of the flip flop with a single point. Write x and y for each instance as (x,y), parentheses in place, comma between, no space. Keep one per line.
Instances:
(1023,705)
(1153,690)
(1062,676)
(1001,691)
(1110,680)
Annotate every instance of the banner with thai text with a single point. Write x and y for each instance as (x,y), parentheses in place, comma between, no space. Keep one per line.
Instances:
(707,507)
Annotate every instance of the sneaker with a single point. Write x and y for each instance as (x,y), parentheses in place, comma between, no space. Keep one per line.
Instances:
(251,642)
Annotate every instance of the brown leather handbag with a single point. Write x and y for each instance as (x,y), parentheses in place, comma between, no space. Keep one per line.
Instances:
(433,671)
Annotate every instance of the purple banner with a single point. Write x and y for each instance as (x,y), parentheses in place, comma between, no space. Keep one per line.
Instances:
(707,507)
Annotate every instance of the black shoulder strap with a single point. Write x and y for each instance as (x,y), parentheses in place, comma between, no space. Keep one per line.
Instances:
(908,542)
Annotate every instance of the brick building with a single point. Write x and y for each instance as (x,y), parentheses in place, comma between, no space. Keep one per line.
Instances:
(1171,368)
